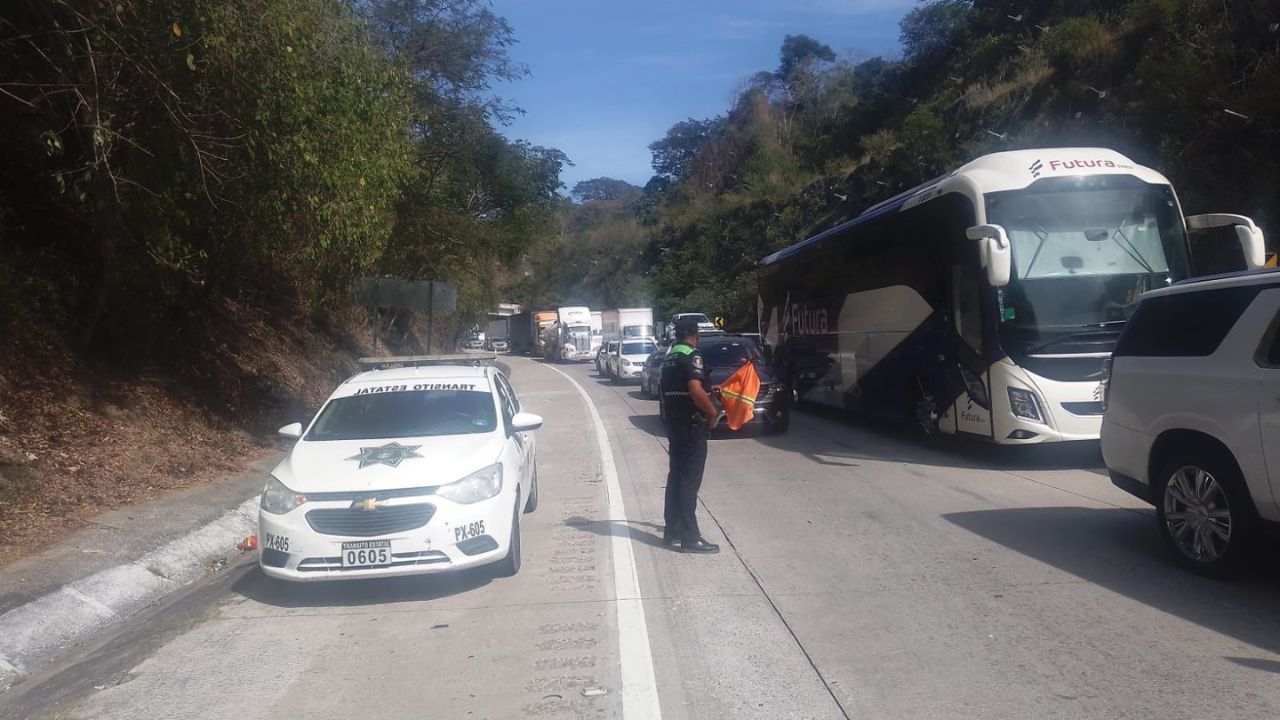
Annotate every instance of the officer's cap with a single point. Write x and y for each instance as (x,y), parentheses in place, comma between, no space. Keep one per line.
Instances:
(686,327)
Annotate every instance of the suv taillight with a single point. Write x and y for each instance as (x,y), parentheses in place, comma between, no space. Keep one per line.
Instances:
(1105,383)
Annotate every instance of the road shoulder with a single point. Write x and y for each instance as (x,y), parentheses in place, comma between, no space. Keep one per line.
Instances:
(57,601)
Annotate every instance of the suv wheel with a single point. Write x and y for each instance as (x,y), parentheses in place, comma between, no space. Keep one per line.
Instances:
(1204,512)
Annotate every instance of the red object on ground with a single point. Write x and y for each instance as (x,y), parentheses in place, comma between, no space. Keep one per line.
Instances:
(249,543)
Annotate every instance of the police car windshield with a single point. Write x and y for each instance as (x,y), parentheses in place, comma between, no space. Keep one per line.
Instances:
(728,353)
(409,413)
(641,348)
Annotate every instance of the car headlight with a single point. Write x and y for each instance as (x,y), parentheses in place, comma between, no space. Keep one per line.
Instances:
(479,485)
(626,362)
(278,499)
(1025,405)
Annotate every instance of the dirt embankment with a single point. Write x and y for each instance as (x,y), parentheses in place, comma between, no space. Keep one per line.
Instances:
(80,437)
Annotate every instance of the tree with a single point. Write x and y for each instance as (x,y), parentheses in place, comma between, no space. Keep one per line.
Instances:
(931,30)
(799,54)
(605,188)
(673,154)
(454,49)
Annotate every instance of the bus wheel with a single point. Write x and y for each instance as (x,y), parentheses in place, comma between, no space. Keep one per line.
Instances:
(924,413)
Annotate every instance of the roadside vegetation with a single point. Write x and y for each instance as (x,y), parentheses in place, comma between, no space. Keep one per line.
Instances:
(1191,87)
(189,188)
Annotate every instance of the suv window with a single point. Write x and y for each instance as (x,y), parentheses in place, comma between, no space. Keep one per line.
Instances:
(1189,324)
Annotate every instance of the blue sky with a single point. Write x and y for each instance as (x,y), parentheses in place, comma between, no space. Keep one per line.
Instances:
(608,77)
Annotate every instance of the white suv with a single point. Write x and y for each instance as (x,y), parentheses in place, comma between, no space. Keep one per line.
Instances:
(1192,420)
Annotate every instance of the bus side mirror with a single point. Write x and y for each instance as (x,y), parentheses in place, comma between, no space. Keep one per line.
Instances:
(1250,235)
(993,252)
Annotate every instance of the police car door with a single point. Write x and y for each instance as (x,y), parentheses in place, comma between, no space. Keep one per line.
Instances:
(523,441)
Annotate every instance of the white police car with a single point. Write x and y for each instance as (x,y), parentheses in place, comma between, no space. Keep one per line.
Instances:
(419,468)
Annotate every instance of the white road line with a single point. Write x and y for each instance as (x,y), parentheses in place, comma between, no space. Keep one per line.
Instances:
(639,686)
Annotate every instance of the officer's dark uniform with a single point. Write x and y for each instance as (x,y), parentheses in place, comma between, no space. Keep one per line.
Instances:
(687,440)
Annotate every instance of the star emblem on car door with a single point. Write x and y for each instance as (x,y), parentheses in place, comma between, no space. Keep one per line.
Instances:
(391,454)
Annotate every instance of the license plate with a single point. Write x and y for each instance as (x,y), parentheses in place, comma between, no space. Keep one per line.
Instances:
(366,553)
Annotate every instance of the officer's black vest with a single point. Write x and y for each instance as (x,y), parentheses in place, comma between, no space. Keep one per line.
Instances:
(674,383)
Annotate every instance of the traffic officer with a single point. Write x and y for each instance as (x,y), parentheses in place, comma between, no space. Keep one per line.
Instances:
(690,415)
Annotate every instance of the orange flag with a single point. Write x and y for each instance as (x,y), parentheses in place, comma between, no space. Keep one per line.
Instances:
(738,395)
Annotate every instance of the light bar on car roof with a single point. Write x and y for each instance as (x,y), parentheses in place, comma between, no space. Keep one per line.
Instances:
(469,360)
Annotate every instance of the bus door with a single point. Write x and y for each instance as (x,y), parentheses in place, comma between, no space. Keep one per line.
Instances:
(966,369)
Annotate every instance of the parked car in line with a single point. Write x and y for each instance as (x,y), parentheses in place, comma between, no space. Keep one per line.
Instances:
(723,355)
(627,359)
(500,346)
(705,326)
(423,468)
(651,372)
(1192,419)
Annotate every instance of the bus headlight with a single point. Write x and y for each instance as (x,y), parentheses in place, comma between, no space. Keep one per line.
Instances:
(1024,404)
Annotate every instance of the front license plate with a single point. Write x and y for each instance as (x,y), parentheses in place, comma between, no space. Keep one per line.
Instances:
(366,553)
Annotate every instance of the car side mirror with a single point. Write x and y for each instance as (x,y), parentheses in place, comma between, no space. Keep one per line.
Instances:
(1250,235)
(994,252)
(525,422)
(293,431)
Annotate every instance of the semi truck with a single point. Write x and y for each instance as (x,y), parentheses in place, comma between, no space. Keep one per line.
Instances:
(521,333)
(627,323)
(497,334)
(569,338)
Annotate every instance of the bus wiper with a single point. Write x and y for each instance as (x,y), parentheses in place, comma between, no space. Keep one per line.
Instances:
(1043,237)
(1131,250)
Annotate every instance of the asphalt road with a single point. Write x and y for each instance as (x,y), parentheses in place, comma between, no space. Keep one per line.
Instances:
(864,574)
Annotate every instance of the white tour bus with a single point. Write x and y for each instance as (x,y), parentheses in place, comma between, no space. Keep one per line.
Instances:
(985,301)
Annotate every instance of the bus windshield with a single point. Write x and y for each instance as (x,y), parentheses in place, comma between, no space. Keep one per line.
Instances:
(1082,254)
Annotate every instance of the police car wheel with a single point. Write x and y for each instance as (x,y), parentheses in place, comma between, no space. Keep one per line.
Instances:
(510,565)
(532,503)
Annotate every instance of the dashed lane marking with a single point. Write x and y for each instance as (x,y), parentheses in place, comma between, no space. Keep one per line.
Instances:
(639,686)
